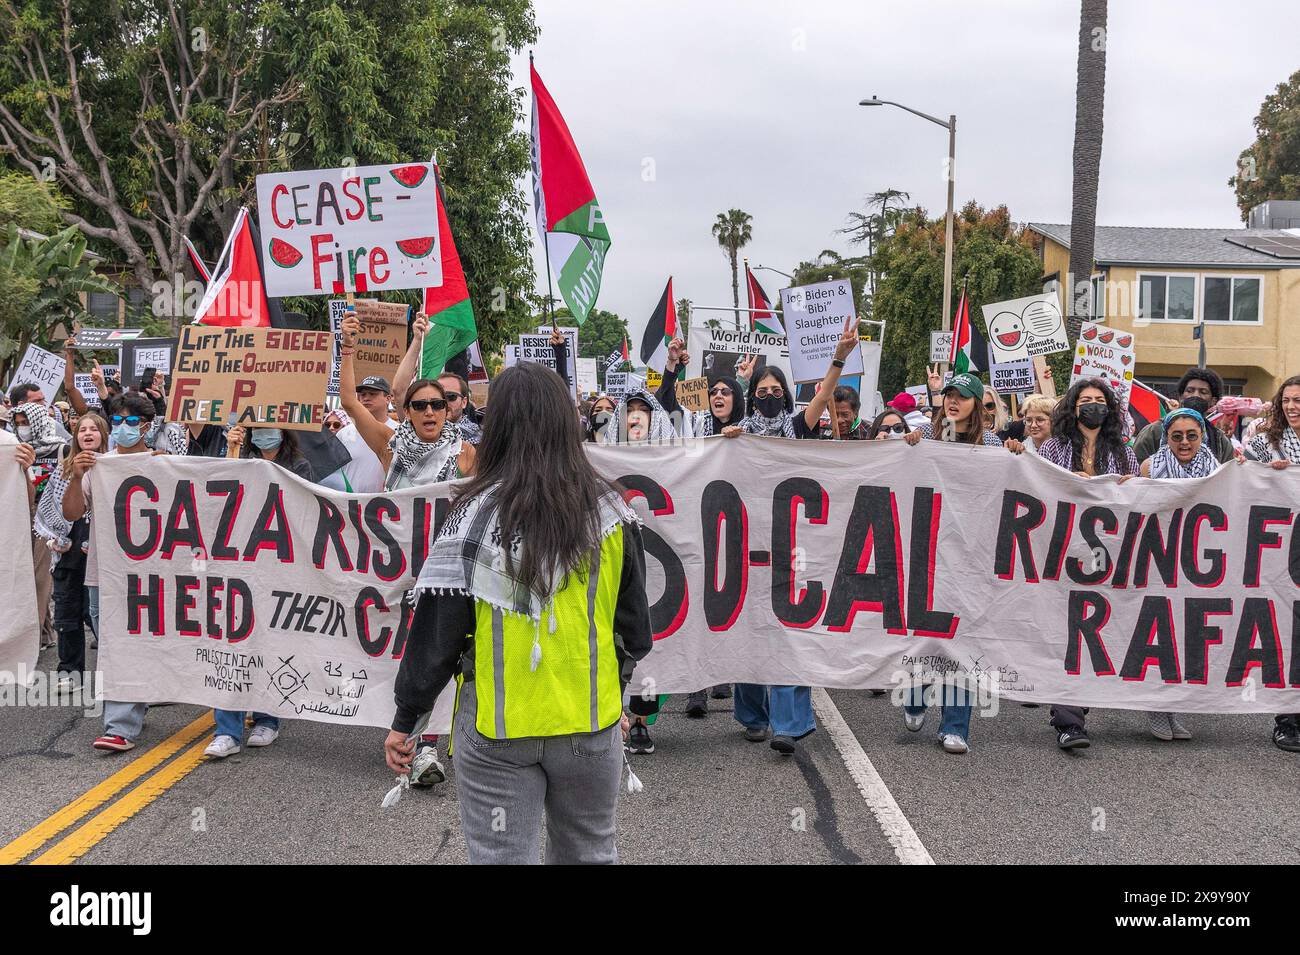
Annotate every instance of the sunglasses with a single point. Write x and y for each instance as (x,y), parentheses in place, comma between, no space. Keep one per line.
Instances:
(894,428)
(427,404)
(989,406)
(770,393)
(129,419)
(454,395)
(719,392)
(334,426)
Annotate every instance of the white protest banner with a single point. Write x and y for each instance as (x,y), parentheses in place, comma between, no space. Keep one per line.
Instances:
(235,584)
(1107,353)
(19,632)
(715,352)
(40,368)
(616,383)
(906,565)
(815,317)
(538,348)
(940,346)
(85,383)
(1013,378)
(1032,325)
(354,229)
(587,382)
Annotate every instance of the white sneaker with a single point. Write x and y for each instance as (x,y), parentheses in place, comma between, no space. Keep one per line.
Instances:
(263,735)
(426,771)
(67,683)
(914,722)
(952,743)
(221,747)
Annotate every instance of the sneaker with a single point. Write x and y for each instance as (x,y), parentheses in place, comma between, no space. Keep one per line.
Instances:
(783,745)
(67,683)
(1074,738)
(263,735)
(1287,737)
(697,704)
(221,747)
(426,771)
(879,692)
(1030,706)
(120,744)
(914,721)
(721,692)
(1162,726)
(1180,731)
(639,742)
(952,743)
(756,734)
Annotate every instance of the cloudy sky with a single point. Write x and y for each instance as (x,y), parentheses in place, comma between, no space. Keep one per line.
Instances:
(683,109)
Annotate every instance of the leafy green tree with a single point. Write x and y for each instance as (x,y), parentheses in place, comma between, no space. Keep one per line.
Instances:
(995,256)
(829,266)
(602,333)
(1269,168)
(155,116)
(733,230)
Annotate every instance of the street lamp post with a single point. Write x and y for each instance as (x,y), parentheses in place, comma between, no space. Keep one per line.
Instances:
(951,175)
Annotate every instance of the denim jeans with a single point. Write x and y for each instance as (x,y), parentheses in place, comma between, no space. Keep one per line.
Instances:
(124,719)
(956,707)
(92,607)
(786,709)
(231,722)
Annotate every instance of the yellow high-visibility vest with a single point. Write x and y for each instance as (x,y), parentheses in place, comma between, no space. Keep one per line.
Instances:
(575,688)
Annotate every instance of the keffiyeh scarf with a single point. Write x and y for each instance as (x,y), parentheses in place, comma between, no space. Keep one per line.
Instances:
(45,438)
(471,431)
(782,426)
(1261,449)
(1165,465)
(418,462)
(661,423)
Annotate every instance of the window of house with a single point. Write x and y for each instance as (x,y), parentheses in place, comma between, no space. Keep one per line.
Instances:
(1167,298)
(1097,302)
(1232,298)
(102,305)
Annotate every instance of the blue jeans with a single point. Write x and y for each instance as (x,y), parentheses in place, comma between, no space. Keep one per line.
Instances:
(956,708)
(92,607)
(231,722)
(787,709)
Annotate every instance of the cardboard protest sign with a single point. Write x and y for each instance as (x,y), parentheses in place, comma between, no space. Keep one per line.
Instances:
(1032,325)
(693,394)
(20,634)
(250,376)
(940,346)
(92,338)
(355,229)
(478,393)
(715,352)
(1013,378)
(815,317)
(1044,383)
(40,368)
(1107,353)
(142,353)
(381,342)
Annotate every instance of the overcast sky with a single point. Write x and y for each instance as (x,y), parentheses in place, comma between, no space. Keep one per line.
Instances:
(753,105)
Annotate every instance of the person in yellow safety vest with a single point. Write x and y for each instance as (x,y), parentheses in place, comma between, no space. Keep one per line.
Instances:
(534,592)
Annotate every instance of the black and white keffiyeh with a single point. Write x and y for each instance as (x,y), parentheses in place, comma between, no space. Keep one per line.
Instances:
(470,430)
(1261,449)
(417,462)
(1165,465)
(661,423)
(782,426)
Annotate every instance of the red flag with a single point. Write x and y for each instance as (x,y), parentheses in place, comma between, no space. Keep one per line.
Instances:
(235,295)
(1144,404)
(625,358)
(761,316)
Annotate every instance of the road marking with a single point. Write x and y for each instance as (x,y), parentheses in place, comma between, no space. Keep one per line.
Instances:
(88,802)
(907,844)
(73,846)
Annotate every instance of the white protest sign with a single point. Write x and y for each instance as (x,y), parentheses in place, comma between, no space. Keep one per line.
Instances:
(1013,378)
(715,352)
(338,307)
(509,356)
(19,632)
(354,229)
(1037,317)
(538,348)
(1008,334)
(587,383)
(940,346)
(815,317)
(85,384)
(616,383)
(1107,353)
(40,368)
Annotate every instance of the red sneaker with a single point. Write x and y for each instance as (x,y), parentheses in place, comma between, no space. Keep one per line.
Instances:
(115,744)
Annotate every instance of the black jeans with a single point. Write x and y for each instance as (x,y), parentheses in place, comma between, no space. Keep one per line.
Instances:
(1068,717)
(69,617)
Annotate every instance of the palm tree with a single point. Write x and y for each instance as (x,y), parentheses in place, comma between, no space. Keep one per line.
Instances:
(1089,106)
(873,227)
(733,233)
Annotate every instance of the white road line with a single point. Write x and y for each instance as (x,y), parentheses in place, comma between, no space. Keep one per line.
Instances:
(907,844)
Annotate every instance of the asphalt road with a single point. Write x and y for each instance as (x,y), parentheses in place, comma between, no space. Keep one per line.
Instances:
(709,796)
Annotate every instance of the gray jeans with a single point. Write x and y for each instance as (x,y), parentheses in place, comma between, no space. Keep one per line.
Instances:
(124,719)
(507,787)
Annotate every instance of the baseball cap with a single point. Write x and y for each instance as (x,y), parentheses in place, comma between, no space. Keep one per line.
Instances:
(967,385)
(378,383)
(903,402)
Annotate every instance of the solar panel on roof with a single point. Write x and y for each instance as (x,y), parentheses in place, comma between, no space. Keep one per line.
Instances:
(1280,247)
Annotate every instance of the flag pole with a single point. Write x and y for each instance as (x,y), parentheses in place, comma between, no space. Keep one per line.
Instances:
(546,244)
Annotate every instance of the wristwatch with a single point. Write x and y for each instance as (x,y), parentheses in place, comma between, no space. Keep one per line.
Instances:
(838,363)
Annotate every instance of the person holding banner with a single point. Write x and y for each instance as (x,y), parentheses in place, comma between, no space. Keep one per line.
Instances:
(534,590)
(960,416)
(602,412)
(1199,389)
(726,395)
(1037,416)
(889,424)
(277,445)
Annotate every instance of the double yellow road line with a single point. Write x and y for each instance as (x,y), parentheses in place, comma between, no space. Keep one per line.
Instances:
(82,839)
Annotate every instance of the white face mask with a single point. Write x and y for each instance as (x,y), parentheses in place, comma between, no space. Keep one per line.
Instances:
(24,432)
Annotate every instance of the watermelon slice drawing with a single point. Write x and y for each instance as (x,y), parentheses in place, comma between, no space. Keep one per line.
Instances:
(283,254)
(1090,333)
(1124,341)
(410,176)
(416,248)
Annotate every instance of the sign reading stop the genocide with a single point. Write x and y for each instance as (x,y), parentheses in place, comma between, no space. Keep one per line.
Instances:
(355,229)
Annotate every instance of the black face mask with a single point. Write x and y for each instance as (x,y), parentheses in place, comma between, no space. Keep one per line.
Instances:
(1092,416)
(769,406)
(1198,404)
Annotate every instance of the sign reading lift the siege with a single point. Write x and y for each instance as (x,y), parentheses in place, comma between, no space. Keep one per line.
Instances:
(355,229)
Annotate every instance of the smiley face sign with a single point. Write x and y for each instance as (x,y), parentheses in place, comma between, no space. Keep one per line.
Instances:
(1008,336)
(1033,323)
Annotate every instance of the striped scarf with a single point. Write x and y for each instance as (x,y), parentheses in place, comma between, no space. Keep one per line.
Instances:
(1165,465)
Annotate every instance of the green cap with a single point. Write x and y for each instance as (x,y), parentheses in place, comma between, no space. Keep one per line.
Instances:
(967,385)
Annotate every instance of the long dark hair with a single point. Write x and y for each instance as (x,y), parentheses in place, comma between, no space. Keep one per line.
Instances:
(779,375)
(285,454)
(548,491)
(1276,418)
(1110,437)
(874,428)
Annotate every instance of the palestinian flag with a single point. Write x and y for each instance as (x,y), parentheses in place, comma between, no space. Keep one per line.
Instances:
(970,352)
(568,215)
(235,295)
(1144,405)
(451,316)
(659,331)
(761,317)
(196,261)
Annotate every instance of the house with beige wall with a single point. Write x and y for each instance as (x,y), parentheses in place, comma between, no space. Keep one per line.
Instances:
(1241,286)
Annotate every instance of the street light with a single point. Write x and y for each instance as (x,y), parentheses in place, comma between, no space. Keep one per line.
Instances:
(951,126)
(768,268)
